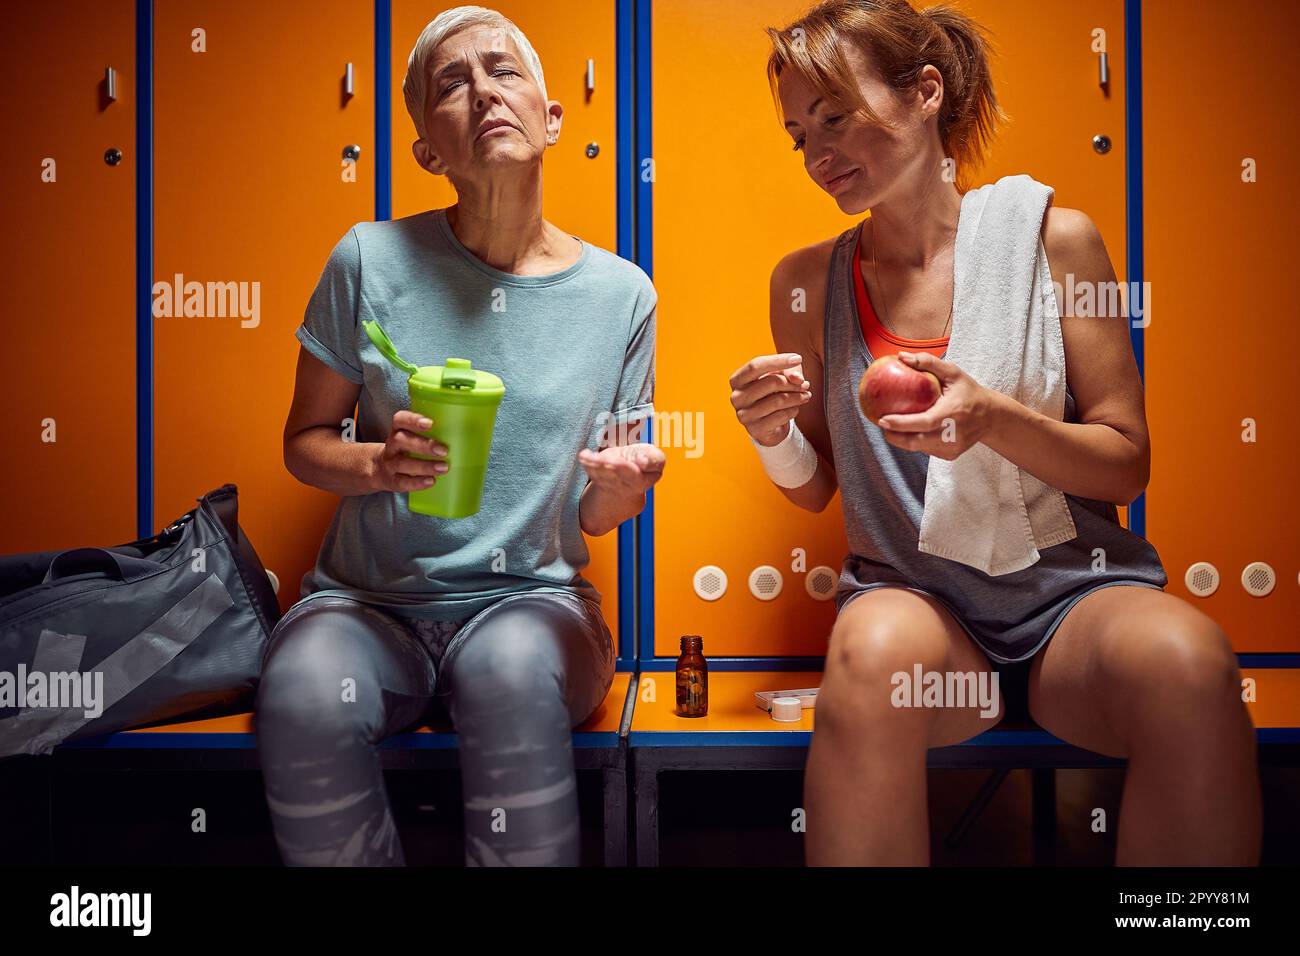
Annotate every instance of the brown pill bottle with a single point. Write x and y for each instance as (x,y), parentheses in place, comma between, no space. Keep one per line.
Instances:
(692,678)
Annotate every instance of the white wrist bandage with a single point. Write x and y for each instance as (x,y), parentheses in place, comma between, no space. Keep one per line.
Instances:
(792,462)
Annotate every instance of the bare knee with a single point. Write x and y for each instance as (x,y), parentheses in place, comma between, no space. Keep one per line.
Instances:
(1180,670)
(1178,655)
(862,663)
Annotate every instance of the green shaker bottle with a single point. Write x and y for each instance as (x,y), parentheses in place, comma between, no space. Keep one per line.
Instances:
(462,404)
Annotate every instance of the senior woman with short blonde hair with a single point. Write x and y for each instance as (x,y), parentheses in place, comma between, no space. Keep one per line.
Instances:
(489,615)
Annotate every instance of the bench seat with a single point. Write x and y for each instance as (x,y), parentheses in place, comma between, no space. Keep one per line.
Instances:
(236,731)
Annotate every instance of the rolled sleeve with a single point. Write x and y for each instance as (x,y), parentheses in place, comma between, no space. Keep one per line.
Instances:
(329,326)
(634,400)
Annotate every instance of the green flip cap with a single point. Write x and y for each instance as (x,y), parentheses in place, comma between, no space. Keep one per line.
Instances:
(457,381)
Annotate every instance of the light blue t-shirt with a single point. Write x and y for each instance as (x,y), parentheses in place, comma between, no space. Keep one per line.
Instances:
(576,349)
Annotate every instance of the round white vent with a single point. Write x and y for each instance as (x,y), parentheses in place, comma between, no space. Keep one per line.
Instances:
(1202,579)
(1258,578)
(821,582)
(275,582)
(710,582)
(765,582)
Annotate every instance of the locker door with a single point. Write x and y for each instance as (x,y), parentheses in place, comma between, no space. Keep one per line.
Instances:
(69,251)
(579,194)
(731,198)
(250,189)
(1223,338)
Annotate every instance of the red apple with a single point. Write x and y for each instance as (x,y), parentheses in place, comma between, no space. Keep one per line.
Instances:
(892,387)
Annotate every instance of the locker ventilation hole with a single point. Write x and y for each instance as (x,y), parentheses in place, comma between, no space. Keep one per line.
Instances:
(765,582)
(821,582)
(710,582)
(1202,579)
(1258,578)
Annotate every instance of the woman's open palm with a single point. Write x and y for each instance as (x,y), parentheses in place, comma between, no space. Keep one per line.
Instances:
(625,469)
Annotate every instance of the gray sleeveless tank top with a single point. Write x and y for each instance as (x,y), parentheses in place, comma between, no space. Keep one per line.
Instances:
(882,490)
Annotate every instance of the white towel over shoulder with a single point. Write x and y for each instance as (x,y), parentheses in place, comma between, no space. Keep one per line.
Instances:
(982,510)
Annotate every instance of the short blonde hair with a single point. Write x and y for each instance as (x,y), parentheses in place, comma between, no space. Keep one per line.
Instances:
(415,88)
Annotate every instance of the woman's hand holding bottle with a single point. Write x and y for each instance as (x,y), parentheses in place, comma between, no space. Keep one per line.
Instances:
(393,468)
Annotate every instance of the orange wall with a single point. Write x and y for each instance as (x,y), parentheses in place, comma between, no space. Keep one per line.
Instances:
(1223,338)
(248,188)
(69,267)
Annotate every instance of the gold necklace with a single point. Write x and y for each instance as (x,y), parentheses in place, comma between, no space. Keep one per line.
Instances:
(883,302)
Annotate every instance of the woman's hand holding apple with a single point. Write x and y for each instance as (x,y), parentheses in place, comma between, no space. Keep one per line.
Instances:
(923,403)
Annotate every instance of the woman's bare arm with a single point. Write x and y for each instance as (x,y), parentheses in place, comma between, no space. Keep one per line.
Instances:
(314,450)
(618,478)
(1107,455)
(800,277)
(316,454)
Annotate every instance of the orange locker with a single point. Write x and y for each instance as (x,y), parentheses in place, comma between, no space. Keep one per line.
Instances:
(579,194)
(252,119)
(730,199)
(1221,198)
(69,427)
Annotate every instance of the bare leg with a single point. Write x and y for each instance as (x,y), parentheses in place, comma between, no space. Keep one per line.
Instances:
(1139,673)
(865,784)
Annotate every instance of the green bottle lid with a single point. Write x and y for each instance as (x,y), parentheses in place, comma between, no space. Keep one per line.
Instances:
(458,381)
(386,347)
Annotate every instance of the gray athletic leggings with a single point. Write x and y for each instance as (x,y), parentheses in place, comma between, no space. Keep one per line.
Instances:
(340,676)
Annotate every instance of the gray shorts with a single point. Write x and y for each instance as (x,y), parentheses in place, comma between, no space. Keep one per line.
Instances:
(1013,673)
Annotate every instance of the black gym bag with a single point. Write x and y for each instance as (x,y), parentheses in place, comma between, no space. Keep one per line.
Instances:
(96,640)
